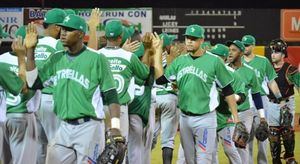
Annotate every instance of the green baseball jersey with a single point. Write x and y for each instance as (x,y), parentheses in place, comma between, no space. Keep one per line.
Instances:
(46,47)
(124,65)
(248,76)
(295,79)
(196,80)
(77,81)
(264,72)
(224,116)
(142,100)
(16,101)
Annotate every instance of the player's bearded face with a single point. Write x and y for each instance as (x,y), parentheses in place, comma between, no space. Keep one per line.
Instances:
(192,43)
(234,54)
(248,50)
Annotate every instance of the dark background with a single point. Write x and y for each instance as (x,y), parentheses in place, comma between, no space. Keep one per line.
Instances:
(154,3)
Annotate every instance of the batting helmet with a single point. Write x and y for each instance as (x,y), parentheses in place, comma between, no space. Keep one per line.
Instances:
(278,45)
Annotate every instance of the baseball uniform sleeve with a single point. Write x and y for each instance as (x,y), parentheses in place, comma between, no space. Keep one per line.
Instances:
(270,72)
(223,77)
(139,69)
(10,81)
(105,76)
(294,77)
(59,46)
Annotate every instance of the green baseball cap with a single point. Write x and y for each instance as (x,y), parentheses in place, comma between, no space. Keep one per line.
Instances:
(69,12)
(195,31)
(75,22)
(113,29)
(127,33)
(220,50)
(3,34)
(140,51)
(248,40)
(237,43)
(206,45)
(54,16)
(167,39)
(21,31)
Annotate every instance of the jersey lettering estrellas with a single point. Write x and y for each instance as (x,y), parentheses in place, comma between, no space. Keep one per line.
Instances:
(248,76)
(77,83)
(46,47)
(20,103)
(264,72)
(196,80)
(124,65)
(224,116)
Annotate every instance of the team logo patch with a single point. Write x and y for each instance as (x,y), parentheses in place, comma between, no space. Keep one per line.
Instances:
(203,143)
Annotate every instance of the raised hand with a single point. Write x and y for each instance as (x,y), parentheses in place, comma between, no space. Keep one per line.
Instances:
(95,18)
(147,40)
(18,47)
(31,38)
(157,42)
(131,46)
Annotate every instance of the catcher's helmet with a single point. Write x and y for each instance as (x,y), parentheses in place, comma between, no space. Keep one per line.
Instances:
(278,45)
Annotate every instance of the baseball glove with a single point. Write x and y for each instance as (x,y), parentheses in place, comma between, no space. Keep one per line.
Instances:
(240,135)
(262,131)
(114,152)
(286,117)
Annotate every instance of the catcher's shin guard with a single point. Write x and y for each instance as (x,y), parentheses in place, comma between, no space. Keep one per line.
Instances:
(288,137)
(275,144)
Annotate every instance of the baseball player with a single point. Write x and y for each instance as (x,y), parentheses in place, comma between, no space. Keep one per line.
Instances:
(19,131)
(141,116)
(225,126)
(81,81)
(281,127)
(166,100)
(265,75)
(196,74)
(9,82)
(47,45)
(247,74)
(124,65)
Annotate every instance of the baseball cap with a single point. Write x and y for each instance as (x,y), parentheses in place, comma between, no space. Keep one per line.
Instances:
(54,16)
(248,40)
(2,33)
(127,33)
(140,51)
(206,45)
(75,22)
(167,39)
(237,43)
(113,29)
(220,50)
(195,31)
(69,12)
(21,31)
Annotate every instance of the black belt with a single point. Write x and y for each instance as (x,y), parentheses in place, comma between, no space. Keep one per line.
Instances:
(277,102)
(191,114)
(78,121)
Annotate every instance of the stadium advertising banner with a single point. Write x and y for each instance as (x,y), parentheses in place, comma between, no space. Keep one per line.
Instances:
(11,19)
(220,24)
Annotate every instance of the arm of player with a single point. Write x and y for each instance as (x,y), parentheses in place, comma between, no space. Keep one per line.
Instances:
(227,91)
(274,88)
(30,44)
(93,22)
(111,99)
(259,105)
(157,44)
(19,49)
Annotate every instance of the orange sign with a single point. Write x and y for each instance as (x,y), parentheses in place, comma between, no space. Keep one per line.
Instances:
(290,25)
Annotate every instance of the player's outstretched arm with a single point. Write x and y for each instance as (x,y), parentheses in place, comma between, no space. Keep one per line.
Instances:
(157,44)
(275,89)
(93,22)
(19,49)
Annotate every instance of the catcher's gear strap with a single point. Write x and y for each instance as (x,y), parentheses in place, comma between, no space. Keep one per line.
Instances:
(286,118)
(275,143)
(288,137)
(227,90)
